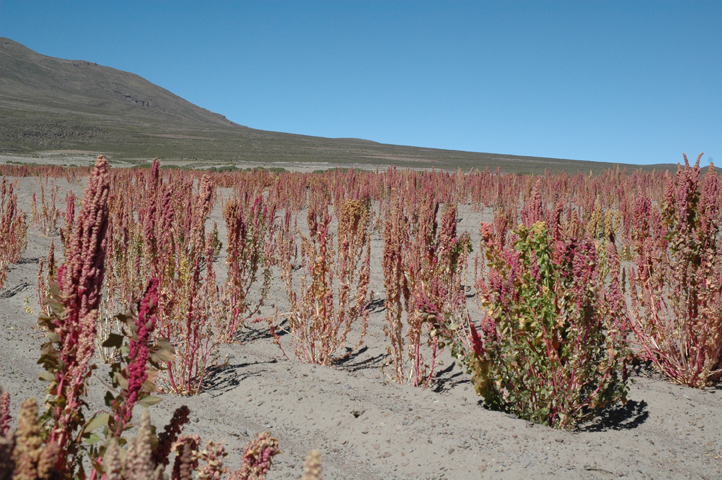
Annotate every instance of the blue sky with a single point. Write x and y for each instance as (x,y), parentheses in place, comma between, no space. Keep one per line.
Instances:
(614,81)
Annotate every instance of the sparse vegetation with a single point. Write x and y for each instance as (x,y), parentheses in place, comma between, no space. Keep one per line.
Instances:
(550,340)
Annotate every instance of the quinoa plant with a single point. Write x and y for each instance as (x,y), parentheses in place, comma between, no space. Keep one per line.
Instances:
(251,234)
(335,283)
(551,347)
(189,297)
(71,324)
(46,218)
(396,239)
(13,229)
(424,263)
(676,287)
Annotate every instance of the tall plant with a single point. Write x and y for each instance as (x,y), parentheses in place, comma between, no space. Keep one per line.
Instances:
(424,264)
(72,323)
(251,235)
(13,229)
(335,283)
(676,285)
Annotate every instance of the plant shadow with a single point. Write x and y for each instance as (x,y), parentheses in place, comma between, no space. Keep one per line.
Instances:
(622,417)
(446,379)
(352,363)
(250,333)
(11,292)
(225,378)
(377,305)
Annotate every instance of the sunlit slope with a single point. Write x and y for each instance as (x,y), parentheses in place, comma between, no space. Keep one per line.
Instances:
(48,103)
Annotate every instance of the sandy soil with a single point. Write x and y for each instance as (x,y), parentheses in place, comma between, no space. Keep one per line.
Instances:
(369,428)
(83,158)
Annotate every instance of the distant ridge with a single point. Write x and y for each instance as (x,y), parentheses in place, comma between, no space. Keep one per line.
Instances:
(48,103)
(32,80)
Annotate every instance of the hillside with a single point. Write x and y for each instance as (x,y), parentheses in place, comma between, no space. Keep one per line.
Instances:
(49,103)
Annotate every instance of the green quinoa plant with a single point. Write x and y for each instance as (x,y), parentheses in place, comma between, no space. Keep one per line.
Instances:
(552,343)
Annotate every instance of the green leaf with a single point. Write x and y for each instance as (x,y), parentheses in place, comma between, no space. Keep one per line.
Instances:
(97,422)
(121,381)
(161,353)
(53,337)
(149,401)
(114,341)
(47,377)
(92,439)
(127,319)
(48,359)
(165,344)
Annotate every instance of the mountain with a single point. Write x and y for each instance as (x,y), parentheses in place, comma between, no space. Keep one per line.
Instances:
(49,103)
(29,80)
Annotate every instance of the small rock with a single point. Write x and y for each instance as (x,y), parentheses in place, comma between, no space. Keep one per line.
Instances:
(619,473)
(364,432)
(244,432)
(376,446)
(559,440)
(405,422)
(196,420)
(451,450)
(511,415)
(357,413)
(347,387)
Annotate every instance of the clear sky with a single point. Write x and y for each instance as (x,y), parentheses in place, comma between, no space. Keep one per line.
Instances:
(615,81)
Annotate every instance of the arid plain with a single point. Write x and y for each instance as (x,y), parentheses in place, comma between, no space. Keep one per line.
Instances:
(366,426)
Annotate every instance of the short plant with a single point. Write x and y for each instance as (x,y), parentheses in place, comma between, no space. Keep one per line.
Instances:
(550,350)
